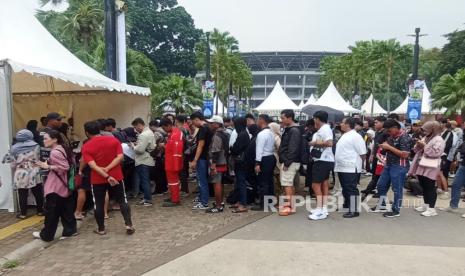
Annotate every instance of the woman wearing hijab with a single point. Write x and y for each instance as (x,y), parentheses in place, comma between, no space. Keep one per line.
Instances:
(426,165)
(276,130)
(32,127)
(26,175)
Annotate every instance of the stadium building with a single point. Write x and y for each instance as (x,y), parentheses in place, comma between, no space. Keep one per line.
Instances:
(298,73)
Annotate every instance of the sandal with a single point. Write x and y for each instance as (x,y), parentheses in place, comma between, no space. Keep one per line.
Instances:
(237,211)
(285,210)
(107,216)
(130,230)
(78,217)
(101,233)
(21,216)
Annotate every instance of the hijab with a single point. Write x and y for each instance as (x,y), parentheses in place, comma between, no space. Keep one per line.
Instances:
(275,128)
(432,129)
(24,143)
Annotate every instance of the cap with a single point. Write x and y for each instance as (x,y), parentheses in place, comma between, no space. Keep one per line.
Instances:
(54,116)
(215,119)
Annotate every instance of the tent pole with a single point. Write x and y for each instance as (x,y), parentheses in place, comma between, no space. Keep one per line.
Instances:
(6,139)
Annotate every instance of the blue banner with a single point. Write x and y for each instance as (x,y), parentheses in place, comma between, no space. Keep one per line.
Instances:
(414,100)
(207,108)
(208,90)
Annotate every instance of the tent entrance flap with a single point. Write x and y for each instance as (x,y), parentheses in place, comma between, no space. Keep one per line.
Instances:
(6,188)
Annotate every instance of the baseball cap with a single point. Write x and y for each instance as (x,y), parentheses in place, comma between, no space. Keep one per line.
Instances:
(215,119)
(54,116)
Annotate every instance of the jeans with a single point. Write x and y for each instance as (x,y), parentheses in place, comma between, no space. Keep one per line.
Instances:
(459,182)
(265,177)
(202,176)
(116,192)
(241,184)
(350,191)
(143,180)
(392,175)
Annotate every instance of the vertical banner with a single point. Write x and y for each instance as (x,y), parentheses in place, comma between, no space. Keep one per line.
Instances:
(208,90)
(232,108)
(415,97)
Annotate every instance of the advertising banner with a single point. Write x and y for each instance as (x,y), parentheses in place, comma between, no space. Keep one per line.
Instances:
(415,98)
(208,91)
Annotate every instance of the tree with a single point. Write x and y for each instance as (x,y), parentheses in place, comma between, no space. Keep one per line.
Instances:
(430,65)
(453,53)
(176,93)
(164,32)
(449,92)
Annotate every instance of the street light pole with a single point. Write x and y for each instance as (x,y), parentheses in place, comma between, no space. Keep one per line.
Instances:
(207,61)
(110,40)
(416,54)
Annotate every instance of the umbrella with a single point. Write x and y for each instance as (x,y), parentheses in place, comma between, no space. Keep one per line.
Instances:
(333,114)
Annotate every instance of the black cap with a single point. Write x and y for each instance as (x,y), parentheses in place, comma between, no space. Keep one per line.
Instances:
(54,116)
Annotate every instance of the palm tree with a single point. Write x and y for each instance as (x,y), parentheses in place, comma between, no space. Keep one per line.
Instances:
(449,92)
(176,93)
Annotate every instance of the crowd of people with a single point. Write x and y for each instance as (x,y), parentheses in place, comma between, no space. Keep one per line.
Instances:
(263,157)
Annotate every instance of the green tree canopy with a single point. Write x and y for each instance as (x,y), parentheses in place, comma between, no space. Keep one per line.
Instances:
(449,92)
(453,53)
(165,32)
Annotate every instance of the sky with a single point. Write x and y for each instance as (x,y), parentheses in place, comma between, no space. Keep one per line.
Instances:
(326,25)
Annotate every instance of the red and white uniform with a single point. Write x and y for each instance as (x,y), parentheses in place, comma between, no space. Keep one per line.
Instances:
(174,150)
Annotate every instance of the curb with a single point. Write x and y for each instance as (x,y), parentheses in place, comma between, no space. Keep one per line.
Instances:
(35,245)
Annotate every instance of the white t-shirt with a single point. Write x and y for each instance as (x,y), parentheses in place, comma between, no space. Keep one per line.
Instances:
(348,151)
(324,134)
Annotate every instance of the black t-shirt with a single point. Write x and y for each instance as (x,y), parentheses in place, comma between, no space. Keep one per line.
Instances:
(402,143)
(204,134)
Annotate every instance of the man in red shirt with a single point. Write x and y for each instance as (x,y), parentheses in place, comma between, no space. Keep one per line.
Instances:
(173,160)
(104,155)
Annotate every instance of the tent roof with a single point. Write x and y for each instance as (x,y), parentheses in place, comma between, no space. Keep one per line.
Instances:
(277,100)
(425,104)
(301,104)
(331,98)
(28,47)
(311,100)
(377,109)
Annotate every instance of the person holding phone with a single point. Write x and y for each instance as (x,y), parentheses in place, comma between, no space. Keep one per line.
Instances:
(104,155)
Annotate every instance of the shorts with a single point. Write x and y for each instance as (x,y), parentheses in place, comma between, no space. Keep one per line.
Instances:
(287,177)
(445,166)
(216,178)
(321,171)
(85,184)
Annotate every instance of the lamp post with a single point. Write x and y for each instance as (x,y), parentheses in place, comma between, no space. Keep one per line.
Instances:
(416,54)
(110,40)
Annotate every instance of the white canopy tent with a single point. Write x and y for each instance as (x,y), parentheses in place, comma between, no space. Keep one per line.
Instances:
(370,104)
(311,100)
(426,106)
(331,98)
(276,101)
(301,105)
(221,108)
(39,75)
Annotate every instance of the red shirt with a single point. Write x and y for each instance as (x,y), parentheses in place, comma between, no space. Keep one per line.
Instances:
(103,150)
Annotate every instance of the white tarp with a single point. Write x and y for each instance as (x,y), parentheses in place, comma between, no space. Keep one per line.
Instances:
(301,105)
(311,100)
(277,101)
(221,109)
(331,98)
(367,106)
(27,46)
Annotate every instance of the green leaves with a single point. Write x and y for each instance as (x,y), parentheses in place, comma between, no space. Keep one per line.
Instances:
(176,93)
(449,92)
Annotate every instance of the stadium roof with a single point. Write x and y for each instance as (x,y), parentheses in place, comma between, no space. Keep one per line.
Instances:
(285,61)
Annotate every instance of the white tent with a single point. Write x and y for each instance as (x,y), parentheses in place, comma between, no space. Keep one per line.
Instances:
(276,101)
(301,105)
(372,103)
(39,75)
(331,98)
(311,100)
(221,109)
(426,106)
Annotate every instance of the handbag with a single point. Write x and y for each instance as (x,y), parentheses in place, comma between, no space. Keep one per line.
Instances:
(429,162)
(316,152)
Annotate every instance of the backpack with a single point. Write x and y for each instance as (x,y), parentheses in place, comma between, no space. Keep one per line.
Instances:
(70,175)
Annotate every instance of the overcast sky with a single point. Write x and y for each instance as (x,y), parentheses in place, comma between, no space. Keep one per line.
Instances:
(326,25)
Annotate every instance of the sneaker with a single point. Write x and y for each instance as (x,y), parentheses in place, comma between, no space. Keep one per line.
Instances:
(421,208)
(381,209)
(196,200)
(199,206)
(214,210)
(392,214)
(430,212)
(439,191)
(463,216)
(368,174)
(145,203)
(449,209)
(445,196)
(318,216)
(36,235)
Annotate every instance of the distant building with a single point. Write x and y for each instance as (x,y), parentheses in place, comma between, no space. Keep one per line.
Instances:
(298,73)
